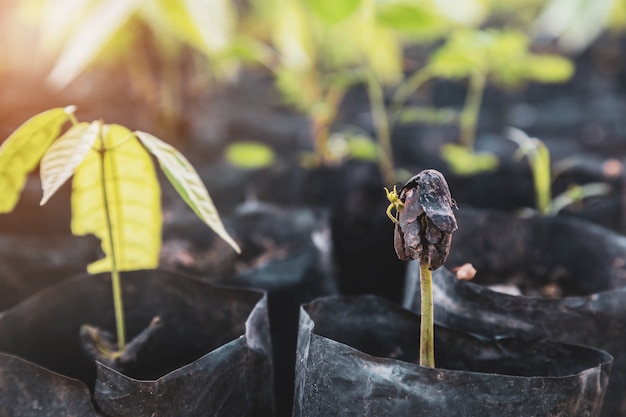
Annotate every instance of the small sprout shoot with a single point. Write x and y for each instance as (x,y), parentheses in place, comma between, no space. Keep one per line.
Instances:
(538,156)
(424,223)
(394,203)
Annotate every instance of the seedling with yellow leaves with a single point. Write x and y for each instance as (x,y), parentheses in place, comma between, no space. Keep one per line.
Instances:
(115,190)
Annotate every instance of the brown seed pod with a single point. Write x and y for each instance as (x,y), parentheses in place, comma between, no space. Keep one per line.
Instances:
(425,220)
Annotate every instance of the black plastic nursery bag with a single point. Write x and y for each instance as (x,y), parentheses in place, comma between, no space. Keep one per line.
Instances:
(210,355)
(357,357)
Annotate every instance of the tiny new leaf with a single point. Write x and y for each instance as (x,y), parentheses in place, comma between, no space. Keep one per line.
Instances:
(132,195)
(187,183)
(64,156)
(250,155)
(538,156)
(22,151)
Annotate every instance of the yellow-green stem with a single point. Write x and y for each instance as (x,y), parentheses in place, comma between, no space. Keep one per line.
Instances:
(469,116)
(118,304)
(381,124)
(323,119)
(404,91)
(73,119)
(427,335)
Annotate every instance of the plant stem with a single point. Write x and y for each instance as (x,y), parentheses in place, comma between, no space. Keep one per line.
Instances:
(118,304)
(427,336)
(469,116)
(383,131)
(322,119)
(404,91)
(73,119)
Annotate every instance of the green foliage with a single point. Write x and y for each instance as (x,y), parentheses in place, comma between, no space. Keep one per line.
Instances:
(418,20)
(503,55)
(538,156)
(323,48)
(464,161)
(352,145)
(250,155)
(332,11)
(549,69)
(577,193)
(500,56)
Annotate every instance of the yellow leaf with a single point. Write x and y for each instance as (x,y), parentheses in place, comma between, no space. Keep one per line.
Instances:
(292,36)
(208,25)
(90,37)
(22,151)
(384,53)
(187,183)
(132,197)
(466,162)
(64,156)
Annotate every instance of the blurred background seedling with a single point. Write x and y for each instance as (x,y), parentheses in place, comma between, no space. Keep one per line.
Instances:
(538,156)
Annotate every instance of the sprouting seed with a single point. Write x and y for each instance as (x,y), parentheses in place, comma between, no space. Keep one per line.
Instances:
(424,220)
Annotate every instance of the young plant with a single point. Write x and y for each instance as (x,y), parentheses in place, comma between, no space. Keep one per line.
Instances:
(102,29)
(321,48)
(115,190)
(538,157)
(499,56)
(424,222)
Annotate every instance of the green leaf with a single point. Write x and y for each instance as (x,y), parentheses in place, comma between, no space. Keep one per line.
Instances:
(354,145)
(64,156)
(577,193)
(250,155)
(549,68)
(503,55)
(539,159)
(362,148)
(133,198)
(187,182)
(332,11)
(540,165)
(455,62)
(414,18)
(22,151)
(465,161)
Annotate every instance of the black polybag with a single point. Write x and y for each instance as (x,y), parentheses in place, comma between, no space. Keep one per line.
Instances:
(587,262)
(285,251)
(357,357)
(211,355)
